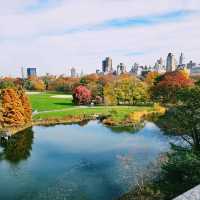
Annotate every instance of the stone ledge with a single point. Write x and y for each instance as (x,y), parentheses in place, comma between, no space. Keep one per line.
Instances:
(193,194)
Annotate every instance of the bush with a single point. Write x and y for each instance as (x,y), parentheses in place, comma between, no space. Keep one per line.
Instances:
(82,96)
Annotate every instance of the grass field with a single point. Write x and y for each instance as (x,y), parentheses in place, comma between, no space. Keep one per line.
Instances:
(55,105)
(47,102)
(117,112)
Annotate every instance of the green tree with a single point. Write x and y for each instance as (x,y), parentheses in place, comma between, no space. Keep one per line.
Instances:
(184,119)
(180,173)
(6,84)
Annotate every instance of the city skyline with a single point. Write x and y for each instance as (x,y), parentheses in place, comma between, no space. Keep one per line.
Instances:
(161,65)
(55,34)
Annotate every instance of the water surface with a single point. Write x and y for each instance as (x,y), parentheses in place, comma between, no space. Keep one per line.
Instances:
(74,162)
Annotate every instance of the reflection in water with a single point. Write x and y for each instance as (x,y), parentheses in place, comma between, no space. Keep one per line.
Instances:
(129,129)
(18,147)
(76,162)
(83,123)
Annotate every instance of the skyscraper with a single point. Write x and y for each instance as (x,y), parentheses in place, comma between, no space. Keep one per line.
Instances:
(107,65)
(159,66)
(31,72)
(181,59)
(191,64)
(73,72)
(121,68)
(81,74)
(160,62)
(171,63)
(23,72)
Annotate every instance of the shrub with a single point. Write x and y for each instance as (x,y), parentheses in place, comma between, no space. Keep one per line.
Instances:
(81,95)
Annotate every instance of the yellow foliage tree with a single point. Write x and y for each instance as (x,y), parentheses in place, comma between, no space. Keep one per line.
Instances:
(150,78)
(125,90)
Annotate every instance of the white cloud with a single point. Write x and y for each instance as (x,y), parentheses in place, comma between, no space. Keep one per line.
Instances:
(37,37)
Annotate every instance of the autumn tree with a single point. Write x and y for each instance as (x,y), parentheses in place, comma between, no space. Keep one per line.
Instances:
(13,112)
(168,85)
(34,83)
(91,78)
(109,95)
(63,84)
(150,79)
(16,109)
(26,105)
(125,90)
(93,83)
(81,95)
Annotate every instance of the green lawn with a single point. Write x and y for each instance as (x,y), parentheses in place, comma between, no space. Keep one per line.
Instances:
(44,102)
(117,112)
(63,107)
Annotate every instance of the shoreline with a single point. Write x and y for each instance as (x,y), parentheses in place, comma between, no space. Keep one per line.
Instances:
(45,122)
(50,122)
(106,120)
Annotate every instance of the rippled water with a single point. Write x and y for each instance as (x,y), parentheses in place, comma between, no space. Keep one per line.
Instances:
(74,162)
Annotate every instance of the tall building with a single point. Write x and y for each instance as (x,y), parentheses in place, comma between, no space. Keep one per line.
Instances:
(195,70)
(98,72)
(160,62)
(107,65)
(191,64)
(121,68)
(171,63)
(23,72)
(159,66)
(81,74)
(73,72)
(136,69)
(31,72)
(181,59)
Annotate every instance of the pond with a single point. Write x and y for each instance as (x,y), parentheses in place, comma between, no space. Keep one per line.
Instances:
(76,162)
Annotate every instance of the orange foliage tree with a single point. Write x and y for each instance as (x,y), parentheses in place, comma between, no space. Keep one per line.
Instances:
(63,84)
(26,105)
(169,84)
(16,109)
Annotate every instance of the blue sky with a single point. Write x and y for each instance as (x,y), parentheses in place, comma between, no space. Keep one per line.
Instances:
(148,20)
(59,34)
(41,5)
